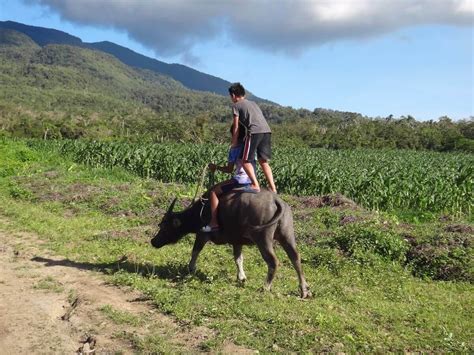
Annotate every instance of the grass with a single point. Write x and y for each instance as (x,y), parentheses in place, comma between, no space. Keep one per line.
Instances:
(153,344)
(49,284)
(367,294)
(120,317)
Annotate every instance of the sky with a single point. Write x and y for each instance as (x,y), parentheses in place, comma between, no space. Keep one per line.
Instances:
(375,57)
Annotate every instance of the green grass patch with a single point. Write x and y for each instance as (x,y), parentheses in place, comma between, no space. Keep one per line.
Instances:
(121,317)
(152,344)
(49,284)
(369,292)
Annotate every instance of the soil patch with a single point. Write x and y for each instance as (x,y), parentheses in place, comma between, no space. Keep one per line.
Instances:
(50,307)
(459,228)
(336,200)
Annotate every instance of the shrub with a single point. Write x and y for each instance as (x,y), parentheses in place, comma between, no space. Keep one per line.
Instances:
(445,256)
(360,239)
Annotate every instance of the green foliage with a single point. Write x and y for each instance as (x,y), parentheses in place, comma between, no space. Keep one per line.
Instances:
(444,256)
(15,161)
(65,91)
(19,192)
(387,180)
(49,284)
(15,39)
(357,240)
(364,301)
(120,317)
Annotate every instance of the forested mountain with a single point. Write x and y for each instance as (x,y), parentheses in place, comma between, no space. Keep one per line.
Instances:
(63,90)
(190,78)
(42,36)
(64,83)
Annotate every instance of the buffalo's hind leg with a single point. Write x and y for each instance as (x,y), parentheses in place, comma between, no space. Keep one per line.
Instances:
(265,245)
(239,261)
(290,248)
(285,234)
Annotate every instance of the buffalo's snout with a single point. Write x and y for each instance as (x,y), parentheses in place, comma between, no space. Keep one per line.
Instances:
(157,242)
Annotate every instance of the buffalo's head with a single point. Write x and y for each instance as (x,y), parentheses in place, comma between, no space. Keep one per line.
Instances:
(171,228)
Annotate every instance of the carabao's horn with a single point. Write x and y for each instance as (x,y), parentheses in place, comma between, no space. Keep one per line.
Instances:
(170,209)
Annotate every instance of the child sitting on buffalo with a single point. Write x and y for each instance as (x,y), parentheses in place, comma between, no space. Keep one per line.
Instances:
(240,181)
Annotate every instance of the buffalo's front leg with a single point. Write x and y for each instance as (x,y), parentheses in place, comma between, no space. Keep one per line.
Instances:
(239,261)
(201,240)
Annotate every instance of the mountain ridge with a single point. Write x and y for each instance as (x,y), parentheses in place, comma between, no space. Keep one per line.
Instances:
(189,77)
(71,91)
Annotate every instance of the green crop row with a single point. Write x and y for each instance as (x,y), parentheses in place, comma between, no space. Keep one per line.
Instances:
(377,179)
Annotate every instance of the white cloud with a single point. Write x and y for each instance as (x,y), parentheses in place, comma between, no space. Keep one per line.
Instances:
(172,27)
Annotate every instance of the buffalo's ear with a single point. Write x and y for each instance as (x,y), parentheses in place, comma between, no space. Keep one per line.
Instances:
(176,223)
(170,209)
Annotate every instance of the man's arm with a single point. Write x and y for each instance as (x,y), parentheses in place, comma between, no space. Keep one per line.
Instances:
(235,131)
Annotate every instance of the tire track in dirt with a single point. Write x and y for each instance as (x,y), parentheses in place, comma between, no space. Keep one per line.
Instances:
(37,290)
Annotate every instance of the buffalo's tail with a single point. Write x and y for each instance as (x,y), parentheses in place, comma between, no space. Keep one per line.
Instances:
(281,207)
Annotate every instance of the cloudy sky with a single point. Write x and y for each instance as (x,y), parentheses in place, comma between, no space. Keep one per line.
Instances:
(376,57)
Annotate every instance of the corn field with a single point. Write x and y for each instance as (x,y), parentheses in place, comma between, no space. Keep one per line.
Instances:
(377,179)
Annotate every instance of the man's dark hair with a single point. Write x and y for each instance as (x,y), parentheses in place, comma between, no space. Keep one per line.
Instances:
(237,89)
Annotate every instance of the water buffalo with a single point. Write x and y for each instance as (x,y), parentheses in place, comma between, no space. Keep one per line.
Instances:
(245,219)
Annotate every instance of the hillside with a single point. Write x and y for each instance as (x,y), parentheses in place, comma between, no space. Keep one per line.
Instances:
(76,68)
(13,38)
(379,282)
(190,78)
(60,90)
(65,82)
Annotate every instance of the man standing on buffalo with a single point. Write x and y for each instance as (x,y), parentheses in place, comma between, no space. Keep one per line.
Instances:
(248,116)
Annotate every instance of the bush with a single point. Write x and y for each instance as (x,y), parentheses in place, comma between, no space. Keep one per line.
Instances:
(359,240)
(20,193)
(446,256)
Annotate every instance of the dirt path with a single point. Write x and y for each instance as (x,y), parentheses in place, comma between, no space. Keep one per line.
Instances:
(49,305)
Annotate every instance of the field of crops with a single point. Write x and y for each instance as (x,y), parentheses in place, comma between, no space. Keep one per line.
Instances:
(385,180)
(378,285)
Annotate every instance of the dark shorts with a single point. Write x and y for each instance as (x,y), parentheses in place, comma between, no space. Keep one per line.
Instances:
(260,143)
(232,184)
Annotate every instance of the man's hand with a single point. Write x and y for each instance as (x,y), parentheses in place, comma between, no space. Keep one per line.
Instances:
(212,167)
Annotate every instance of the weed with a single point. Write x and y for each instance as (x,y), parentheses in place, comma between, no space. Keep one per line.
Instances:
(156,344)
(444,256)
(18,192)
(49,284)
(121,317)
(360,270)
(360,239)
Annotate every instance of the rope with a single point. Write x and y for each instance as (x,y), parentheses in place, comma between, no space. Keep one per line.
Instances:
(201,181)
(199,187)
(211,178)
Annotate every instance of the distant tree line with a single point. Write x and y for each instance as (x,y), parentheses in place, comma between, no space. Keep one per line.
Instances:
(321,129)
(61,91)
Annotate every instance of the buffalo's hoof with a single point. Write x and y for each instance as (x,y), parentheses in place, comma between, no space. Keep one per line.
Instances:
(265,288)
(305,294)
(241,282)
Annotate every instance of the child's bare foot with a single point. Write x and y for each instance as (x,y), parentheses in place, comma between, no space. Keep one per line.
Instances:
(255,188)
(209,228)
(248,188)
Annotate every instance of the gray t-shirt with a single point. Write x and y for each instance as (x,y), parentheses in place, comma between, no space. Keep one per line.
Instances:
(250,116)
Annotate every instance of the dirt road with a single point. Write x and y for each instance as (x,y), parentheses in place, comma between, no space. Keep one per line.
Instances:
(51,305)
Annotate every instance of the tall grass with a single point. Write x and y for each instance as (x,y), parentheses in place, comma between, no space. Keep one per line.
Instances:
(377,179)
